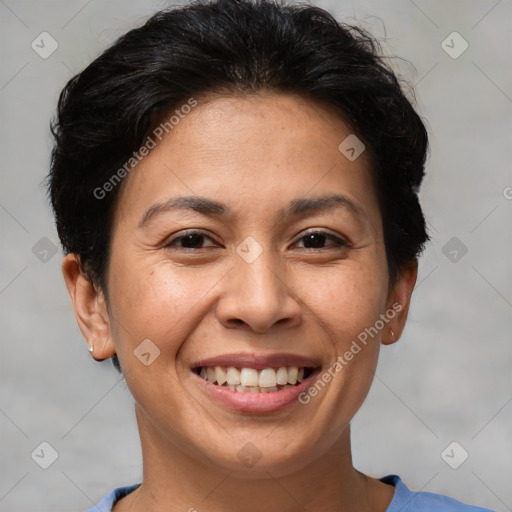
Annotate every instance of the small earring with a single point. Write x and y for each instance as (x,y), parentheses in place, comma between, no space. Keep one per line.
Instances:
(91,347)
(393,335)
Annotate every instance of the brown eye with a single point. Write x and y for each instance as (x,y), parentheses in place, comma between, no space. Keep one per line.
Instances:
(190,240)
(319,239)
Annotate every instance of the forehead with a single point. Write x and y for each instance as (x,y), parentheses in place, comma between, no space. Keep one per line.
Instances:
(277,127)
(248,149)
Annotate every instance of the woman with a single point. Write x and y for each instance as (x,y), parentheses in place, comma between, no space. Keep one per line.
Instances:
(235,187)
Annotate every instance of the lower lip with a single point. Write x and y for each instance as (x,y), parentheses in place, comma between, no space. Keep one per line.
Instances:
(256,402)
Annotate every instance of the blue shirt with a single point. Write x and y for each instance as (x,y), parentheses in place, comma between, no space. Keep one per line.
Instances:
(404,500)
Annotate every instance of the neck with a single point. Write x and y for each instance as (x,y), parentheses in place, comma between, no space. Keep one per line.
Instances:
(182,482)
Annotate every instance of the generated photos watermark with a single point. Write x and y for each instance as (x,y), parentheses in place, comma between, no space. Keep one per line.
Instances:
(354,349)
(150,143)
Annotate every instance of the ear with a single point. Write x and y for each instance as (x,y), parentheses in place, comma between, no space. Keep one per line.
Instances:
(90,308)
(398,301)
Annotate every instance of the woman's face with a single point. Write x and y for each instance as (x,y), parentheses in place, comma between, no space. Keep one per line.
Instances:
(277,261)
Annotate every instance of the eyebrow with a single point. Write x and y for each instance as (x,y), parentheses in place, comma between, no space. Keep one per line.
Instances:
(211,208)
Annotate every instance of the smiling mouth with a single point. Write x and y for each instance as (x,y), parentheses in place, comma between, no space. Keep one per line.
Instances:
(250,380)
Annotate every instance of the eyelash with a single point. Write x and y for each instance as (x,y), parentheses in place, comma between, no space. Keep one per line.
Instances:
(337,241)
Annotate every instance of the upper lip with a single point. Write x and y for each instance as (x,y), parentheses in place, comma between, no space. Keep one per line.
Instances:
(258,362)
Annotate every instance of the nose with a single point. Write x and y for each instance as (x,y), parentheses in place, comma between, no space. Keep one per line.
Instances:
(258,297)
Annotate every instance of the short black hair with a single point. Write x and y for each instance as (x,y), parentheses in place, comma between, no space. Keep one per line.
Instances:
(230,47)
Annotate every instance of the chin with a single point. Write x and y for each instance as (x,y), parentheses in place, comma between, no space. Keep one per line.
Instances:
(258,456)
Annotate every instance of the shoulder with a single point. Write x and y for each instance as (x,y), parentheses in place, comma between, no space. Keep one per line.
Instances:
(406,500)
(106,504)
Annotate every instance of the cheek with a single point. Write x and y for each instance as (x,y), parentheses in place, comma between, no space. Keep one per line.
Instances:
(152,301)
(346,302)
(350,303)
(347,299)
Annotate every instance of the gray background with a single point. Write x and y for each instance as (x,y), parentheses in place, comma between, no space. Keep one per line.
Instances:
(449,377)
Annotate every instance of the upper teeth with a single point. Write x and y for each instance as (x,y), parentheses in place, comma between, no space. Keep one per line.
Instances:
(267,378)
